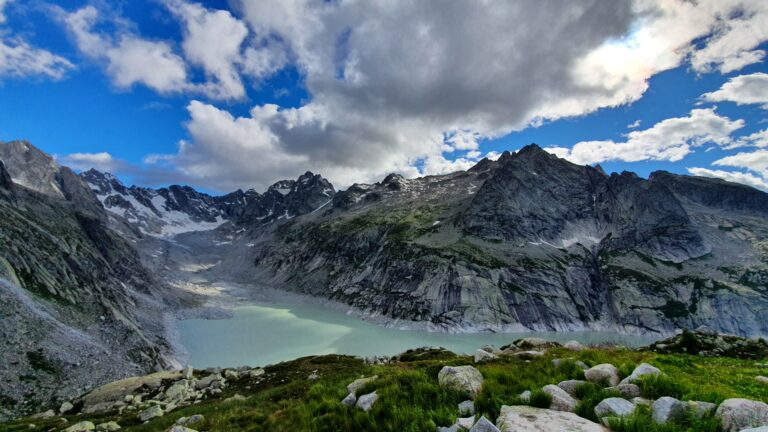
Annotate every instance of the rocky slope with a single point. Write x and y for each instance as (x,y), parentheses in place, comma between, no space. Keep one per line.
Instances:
(78,308)
(531,241)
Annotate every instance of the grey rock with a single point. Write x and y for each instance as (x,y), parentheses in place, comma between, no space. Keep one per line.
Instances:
(757,429)
(642,370)
(151,412)
(359,383)
(191,420)
(231,374)
(110,426)
(177,428)
(465,423)
(451,428)
(737,414)
(561,400)
(699,409)
(522,418)
(641,401)
(467,408)
(482,356)
(82,426)
(461,378)
(528,355)
(761,379)
(66,407)
(525,396)
(366,401)
(349,400)
(570,386)
(484,425)
(628,391)
(614,407)
(574,345)
(666,409)
(605,374)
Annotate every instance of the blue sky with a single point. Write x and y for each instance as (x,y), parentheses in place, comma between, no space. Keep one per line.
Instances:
(241,94)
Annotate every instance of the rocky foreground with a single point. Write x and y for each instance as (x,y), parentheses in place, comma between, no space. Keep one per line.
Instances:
(529,385)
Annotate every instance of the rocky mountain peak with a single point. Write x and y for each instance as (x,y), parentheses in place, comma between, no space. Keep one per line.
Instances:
(713,192)
(30,167)
(5,179)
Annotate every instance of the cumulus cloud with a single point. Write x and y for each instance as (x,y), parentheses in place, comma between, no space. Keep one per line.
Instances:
(757,139)
(19,59)
(102,161)
(396,85)
(212,40)
(732,176)
(671,139)
(754,166)
(2,6)
(742,89)
(129,59)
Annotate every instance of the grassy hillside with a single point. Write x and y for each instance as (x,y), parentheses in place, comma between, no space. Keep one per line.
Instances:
(410,399)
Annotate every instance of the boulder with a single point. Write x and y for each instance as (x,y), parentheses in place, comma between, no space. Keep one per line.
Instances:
(359,383)
(489,348)
(178,390)
(461,378)
(761,379)
(561,400)
(582,365)
(66,407)
(757,429)
(528,355)
(177,428)
(614,407)
(484,425)
(193,419)
(257,372)
(151,412)
(570,386)
(82,426)
(482,356)
(467,408)
(525,396)
(188,373)
(700,409)
(365,402)
(534,343)
(106,396)
(108,426)
(738,414)
(465,423)
(451,428)
(603,374)
(642,370)
(641,401)
(627,391)
(349,400)
(574,345)
(522,418)
(666,408)
(231,374)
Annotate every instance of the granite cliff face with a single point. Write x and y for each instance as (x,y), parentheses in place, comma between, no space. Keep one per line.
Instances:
(532,241)
(78,308)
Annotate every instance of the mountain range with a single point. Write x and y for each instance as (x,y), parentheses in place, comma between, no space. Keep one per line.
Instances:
(529,241)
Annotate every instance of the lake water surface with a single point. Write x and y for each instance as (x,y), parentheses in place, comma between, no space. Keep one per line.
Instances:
(262,334)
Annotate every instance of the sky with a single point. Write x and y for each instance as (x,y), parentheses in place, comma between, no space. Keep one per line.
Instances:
(228,94)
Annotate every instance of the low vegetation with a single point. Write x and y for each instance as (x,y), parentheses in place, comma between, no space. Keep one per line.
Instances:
(306,394)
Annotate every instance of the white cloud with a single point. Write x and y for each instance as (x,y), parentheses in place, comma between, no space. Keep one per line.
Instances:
(19,59)
(733,176)
(634,125)
(754,164)
(212,40)
(740,27)
(103,161)
(671,139)
(742,89)
(129,59)
(2,6)
(756,161)
(757,139)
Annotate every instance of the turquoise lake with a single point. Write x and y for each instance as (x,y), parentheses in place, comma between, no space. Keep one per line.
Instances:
(262,334)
